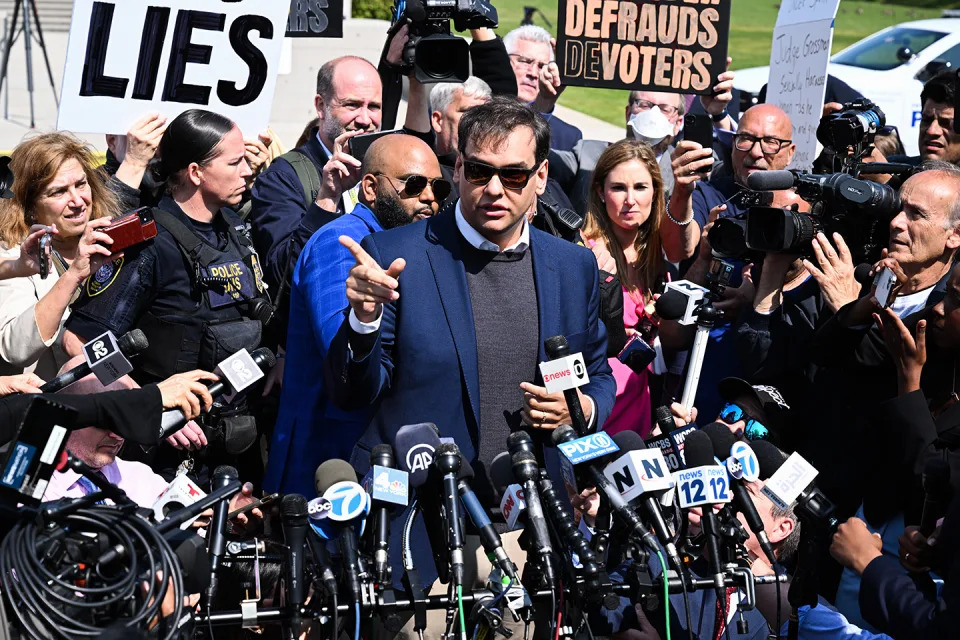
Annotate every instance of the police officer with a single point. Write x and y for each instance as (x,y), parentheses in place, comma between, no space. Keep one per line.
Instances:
(196,290)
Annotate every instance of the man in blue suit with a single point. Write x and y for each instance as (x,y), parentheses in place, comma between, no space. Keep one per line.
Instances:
(401,182)
(448,317)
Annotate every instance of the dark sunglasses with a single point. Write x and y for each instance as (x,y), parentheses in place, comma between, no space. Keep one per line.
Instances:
(414,185)
(479,173)
(753,430)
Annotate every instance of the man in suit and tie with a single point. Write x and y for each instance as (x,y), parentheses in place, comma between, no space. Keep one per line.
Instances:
(448,317)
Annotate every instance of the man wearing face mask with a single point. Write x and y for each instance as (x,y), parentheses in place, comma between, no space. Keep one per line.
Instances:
(401,183)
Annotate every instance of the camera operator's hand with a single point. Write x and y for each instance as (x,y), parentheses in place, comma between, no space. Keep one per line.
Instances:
(831,108)
(186,392)
(909,353)
(341,173)
(854,546)
(736,298)
(769,295)
(835,272)
(918,554)
(20,383)
(718,102)
(690,162)
(397,44)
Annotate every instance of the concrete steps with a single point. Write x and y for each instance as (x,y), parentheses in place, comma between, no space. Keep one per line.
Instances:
(54,14)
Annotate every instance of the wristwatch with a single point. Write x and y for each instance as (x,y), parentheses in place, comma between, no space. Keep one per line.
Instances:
(720,116)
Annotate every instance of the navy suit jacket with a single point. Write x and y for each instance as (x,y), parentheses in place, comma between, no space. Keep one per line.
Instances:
(563,136)
(423,366)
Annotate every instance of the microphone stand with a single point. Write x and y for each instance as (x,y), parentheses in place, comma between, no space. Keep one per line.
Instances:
(707,318)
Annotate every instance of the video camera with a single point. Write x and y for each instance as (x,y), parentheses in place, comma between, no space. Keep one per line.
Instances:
(859,210)
(435,54)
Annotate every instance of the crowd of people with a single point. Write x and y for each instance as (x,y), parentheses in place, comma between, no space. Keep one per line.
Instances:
(419,282)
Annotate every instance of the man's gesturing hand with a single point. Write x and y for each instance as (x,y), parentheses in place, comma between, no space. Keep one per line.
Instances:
(369,286)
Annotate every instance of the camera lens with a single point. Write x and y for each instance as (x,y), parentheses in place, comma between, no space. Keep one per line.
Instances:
(728,238)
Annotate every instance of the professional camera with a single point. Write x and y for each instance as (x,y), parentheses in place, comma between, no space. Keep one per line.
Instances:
(859,210)
(435,54)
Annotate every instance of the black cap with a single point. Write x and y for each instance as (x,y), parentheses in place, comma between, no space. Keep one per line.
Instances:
(763,403)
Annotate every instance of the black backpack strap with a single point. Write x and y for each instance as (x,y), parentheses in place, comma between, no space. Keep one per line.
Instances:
(307,174)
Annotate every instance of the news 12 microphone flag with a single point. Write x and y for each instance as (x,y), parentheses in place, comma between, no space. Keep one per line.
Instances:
(125,59)
(677,46)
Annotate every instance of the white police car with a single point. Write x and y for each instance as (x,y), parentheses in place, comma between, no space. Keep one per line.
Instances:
(888,67)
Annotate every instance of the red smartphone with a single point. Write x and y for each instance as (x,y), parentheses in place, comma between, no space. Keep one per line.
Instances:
(131,229)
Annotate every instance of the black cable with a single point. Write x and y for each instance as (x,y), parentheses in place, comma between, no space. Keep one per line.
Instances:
(62,584)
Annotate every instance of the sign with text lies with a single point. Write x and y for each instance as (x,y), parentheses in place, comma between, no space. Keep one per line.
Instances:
(125,59)
(662,45)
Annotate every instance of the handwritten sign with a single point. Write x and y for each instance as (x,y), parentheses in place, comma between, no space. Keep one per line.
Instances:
(798,69)
(678,45)
(315,19)
(125,59)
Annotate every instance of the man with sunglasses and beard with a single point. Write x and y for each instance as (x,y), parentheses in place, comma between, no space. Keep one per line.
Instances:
(448,319)
(401,183)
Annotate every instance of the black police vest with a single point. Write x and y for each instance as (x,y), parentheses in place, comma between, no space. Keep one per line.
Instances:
(219,315)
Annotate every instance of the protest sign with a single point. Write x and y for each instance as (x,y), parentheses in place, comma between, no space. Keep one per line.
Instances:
(678,45)
(799,57)
(315,19)
(125,59)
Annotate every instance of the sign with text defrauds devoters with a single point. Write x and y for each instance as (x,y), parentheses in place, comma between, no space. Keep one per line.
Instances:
(678,46)
(126,58)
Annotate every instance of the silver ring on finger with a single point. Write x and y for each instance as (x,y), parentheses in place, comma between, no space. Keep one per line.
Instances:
(906,557)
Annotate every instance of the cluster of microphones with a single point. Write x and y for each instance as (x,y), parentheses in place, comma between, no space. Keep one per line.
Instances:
(340,542)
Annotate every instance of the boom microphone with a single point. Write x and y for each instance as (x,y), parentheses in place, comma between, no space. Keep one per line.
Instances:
(103,355)
(770,180)
(173,420)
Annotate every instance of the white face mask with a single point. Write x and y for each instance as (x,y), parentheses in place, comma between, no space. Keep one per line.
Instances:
(650,126)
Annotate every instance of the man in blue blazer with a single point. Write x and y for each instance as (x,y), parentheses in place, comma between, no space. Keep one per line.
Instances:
(401,182)
(448,317)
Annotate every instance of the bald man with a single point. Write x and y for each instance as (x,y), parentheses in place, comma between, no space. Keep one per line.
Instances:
(400,183)
(762,143)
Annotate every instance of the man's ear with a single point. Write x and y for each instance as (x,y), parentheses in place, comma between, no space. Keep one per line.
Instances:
(782,529)
(542,173)
(953,239)
(435,119)
(319,104)
(368,188)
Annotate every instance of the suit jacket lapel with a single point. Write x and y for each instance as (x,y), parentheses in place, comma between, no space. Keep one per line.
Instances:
(548,290)
(445,256)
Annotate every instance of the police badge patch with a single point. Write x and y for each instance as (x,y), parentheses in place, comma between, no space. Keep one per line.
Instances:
(98,282)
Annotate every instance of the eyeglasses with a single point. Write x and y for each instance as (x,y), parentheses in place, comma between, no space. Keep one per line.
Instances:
(414,185)
(768,144)
(666,109)
(479,173)
(524,61)
(754,430)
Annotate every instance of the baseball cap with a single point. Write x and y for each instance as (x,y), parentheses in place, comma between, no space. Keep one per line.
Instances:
(763,403)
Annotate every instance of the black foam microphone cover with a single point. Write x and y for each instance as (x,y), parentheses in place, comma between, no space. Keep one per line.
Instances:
(769,457)
(671,305)
(416,446)
(721,437)
(770,180)
(331,472)
(628,441)
(861,273)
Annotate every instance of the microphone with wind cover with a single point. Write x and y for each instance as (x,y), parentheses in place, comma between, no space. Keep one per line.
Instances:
(416,446)
(723,439)
(336,481)
(104,355)
(771,180)
(173,420)
(556,348)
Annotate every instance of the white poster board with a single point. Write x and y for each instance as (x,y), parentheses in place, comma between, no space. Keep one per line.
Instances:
(126,58)
(799,57)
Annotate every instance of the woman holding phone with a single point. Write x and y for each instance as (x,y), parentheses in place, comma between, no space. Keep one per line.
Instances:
(56,186)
